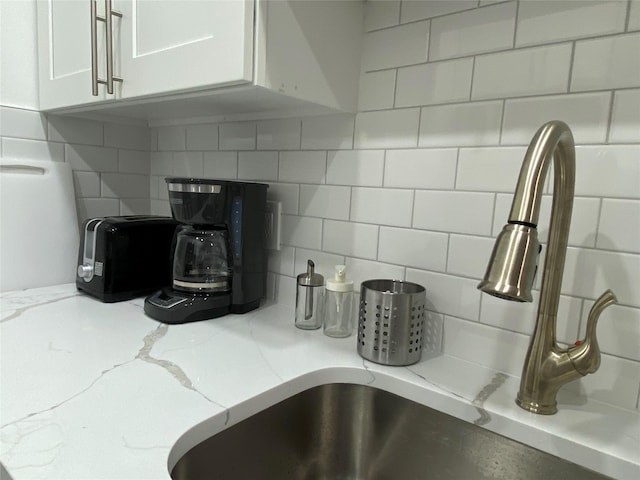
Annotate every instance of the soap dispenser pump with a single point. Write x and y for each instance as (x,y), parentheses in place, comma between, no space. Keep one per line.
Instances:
(338,308)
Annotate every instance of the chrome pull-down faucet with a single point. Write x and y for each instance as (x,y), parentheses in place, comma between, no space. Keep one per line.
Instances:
(512,267)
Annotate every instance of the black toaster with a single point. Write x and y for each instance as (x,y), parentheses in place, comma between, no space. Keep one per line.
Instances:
(125,257)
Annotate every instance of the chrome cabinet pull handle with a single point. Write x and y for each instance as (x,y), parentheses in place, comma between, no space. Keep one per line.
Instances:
(108,20)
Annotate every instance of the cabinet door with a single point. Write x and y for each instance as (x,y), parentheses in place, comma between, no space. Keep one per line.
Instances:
(64,48)
(182,45)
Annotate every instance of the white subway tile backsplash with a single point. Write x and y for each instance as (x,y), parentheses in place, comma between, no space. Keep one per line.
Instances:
(87,184)
(475,31)
(355,167)
(172,139)
(458,212)
(238,136)
(467,256)
(120,185)
(412,11)
(351,239)
(20,123)
(625,116)
(413,248)
(619,227)
(301,232)
(332,132)
(608,170)
(260,166)
(325,201)
(621,336)
(381,14)
(202,137)
(223,165)
(97,207)
(521,317)
(279,134)
(160,207)
(590,272)
(97,159)
(188,164)
(302,167)
(161,163)
(421,168)
(448,294)
(324,262)
(634,16)
(489,169)
(531,71)
(604,63)
(615,383)
(464,124)
(133,161)
(433,83)
(586,114)
(546,22)
(131,137)
(154,187)
(584,219)
(19,148)
(387,129)
(394,47)
(493,347)
(376,90)
(281,261)
(361,270)
(135,206)
(383,206)
(74,130)
(287,193)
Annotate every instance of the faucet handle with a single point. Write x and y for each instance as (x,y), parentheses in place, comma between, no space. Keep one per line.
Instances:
(585,356)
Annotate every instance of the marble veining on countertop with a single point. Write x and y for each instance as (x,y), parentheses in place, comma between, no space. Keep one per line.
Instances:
(100,391)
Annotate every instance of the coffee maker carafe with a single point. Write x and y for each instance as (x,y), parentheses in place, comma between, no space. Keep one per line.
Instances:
(219,261)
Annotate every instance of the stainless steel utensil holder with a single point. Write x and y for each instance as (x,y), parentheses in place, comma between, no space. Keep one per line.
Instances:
(391,321)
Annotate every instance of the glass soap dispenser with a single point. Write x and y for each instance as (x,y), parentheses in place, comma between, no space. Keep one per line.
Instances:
(309,299)
(338,305)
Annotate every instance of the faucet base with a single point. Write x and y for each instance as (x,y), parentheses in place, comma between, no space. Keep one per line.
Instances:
(535,407)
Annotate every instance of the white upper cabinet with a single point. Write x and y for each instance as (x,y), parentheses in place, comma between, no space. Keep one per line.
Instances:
(201,58)
(64,52)
(173,46)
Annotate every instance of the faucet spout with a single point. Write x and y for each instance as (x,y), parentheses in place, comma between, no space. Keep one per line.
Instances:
(512,267)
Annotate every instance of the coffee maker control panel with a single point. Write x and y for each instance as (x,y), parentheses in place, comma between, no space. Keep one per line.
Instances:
(236,225)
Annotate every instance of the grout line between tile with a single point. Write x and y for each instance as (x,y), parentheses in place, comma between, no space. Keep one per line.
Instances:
(571,62)
(610,117)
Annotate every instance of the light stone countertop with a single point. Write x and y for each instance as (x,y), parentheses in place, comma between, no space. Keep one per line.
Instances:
(100,391)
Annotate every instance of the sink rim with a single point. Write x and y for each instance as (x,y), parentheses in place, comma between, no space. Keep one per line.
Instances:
(514,423)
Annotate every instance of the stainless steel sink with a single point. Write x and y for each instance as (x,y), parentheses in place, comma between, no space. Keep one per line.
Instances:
(345,431)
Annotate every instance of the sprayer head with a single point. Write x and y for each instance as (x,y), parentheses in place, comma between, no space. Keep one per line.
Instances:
(512,266)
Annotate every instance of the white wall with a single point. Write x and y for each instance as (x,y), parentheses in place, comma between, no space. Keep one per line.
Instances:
(110,162)
(419,183)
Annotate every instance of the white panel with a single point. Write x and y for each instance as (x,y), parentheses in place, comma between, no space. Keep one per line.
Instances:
(381,13)
(397,46)
(625,121)
(302,167)
(586,114)
(466,124)
(418,10)
(382,205)
(606,63)
(387,129)
(126,136)
(238,136)
(325,201)
(413,248)
(352,239)
(355,167)
(327,132)
(302,232)
(96,159)
(16,122)
(260,166)
(621,335)
(281,261)
(438,82)
(361,270)
(377,90)
(202,137)
(468,256)
(476,31)
(133,161)
(421,168)
(279,135)
(545,22)
(490,169)
(75,130)
(221,165)
(120,185)
(71,36)
(619,227)
(188,164)
(473,212)
(448,294)
(532,71)
(286,193)
(87,184)
(15,148)
(608,171)
(634,15)
(172,138)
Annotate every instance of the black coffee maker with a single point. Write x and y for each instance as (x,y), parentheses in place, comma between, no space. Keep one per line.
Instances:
(219,259)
